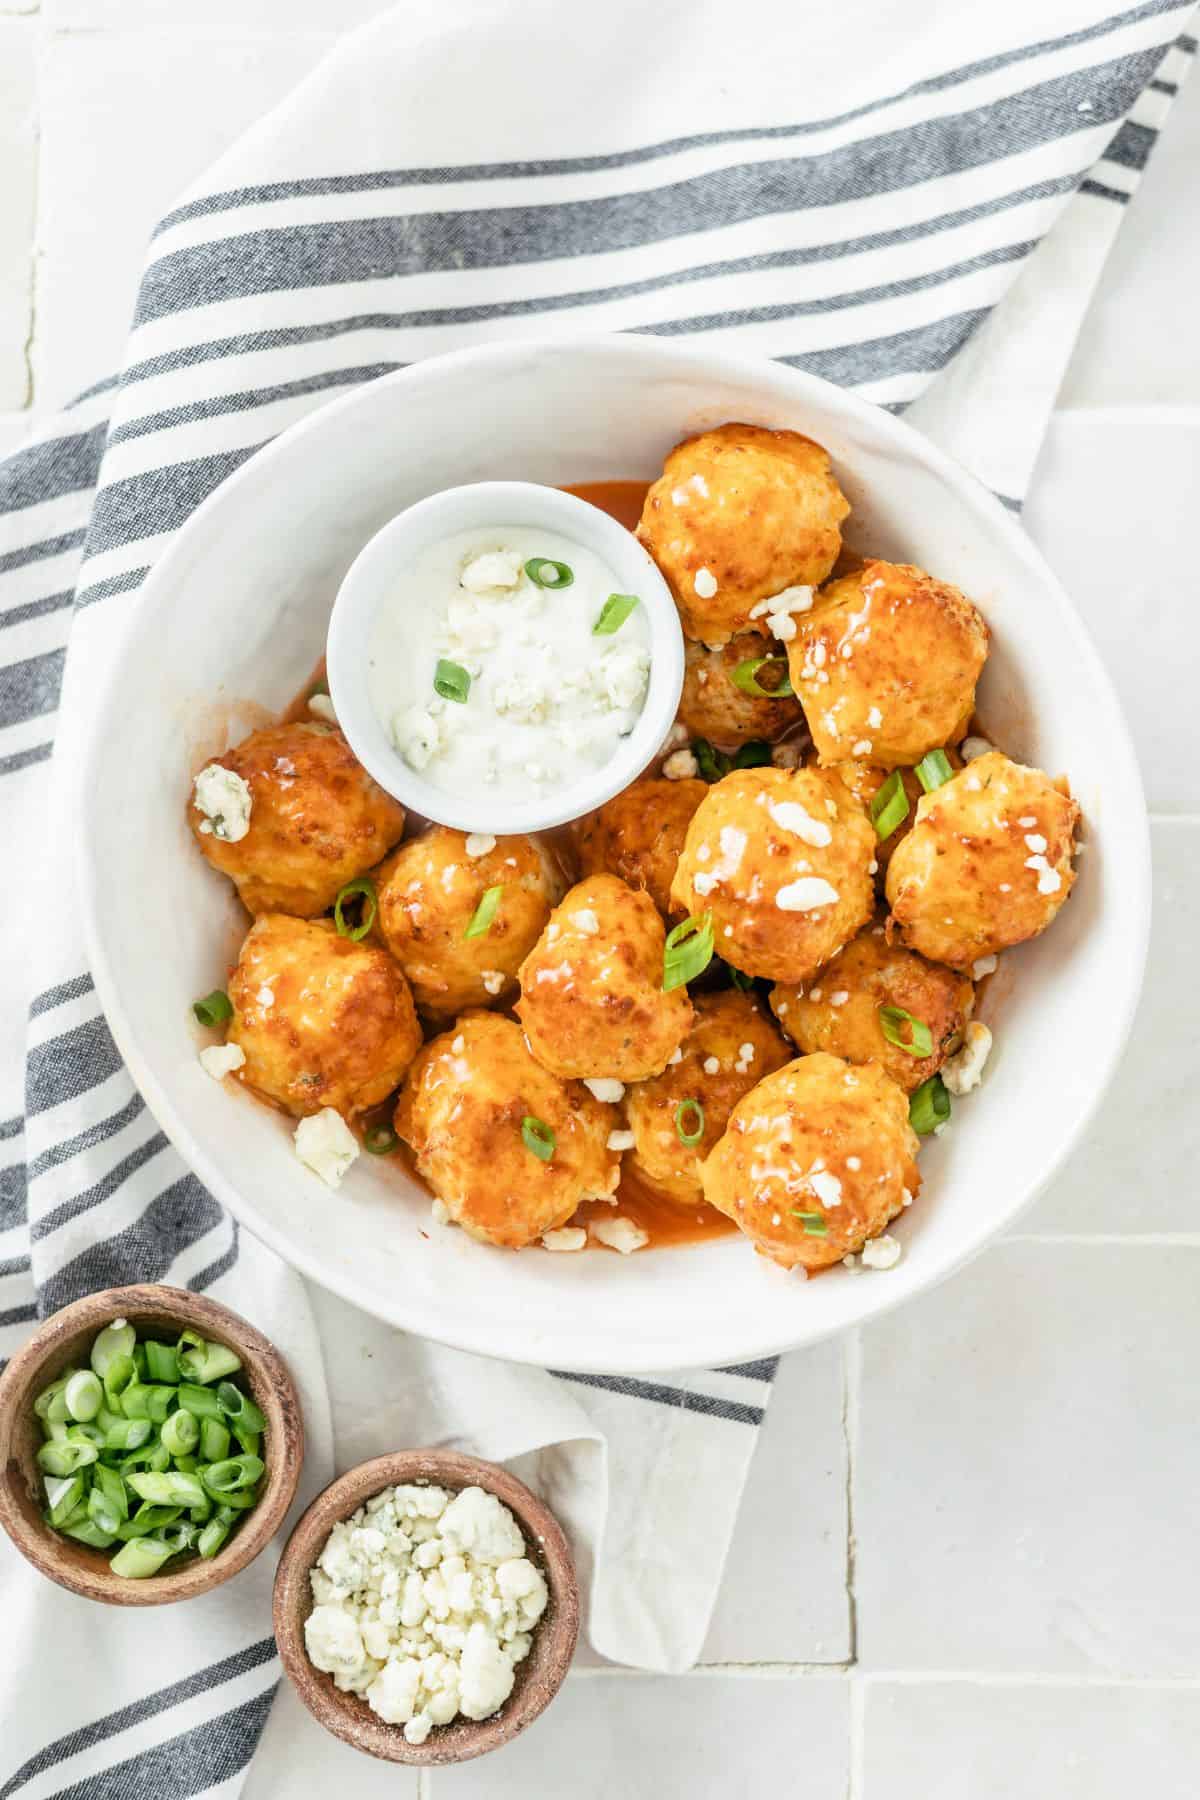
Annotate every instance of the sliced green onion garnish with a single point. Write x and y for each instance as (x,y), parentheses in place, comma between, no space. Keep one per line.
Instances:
(537,1137)
(63,1492)
(484,913)
(143,1400)
(919,1041)
(116,1340)
(141,1557)
(162,1361)
(199,1400)
(181,1432)
(214,1009)
(235,1473)
(613,614)
(889,808)
(174,1487)
(203,1361)
(239,1409)
(934,770)
(711,763)
(451,681)
(121,1373)
(214,1440)
(87,1531)
(211,1538)
(65,1458)
(364,886)
(814,1223)
(380,1140)
(687,951)
(929,1106)
(740,980)
(83,1394)
(544,572)
(745,676)
(127,1434)
(689,1134)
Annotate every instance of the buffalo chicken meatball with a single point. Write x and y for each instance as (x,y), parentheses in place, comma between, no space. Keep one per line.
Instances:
(457,949)
(639,834)
(866,781)
(782,859)
(321,1021)
(316,818)
(853,1009)
(677,1117)
(987,862)
(592,1000)
(885,665)
(738,516)
(817,1158)
(480,1114)
(732,711)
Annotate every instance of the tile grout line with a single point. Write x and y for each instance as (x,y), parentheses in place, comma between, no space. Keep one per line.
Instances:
(851,1391)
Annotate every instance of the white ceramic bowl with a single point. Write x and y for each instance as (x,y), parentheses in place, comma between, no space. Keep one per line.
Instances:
(369,584)
(242,599)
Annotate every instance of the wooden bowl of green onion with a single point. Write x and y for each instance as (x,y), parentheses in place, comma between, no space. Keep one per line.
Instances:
(150,1445)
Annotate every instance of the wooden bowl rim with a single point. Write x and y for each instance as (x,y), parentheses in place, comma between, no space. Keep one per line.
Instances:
(85,1571)
(539,1677)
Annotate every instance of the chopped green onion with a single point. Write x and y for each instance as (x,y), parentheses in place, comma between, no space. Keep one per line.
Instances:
(380,1140)
(49,1395)
(87,1531)
(181,1432)
(362,884)
(249,1441)
(127,1434)
(148,1518)
(934,770)
(103,1513)
(139,1361)
(689,1135)
(65,1458)
(889,808)
(537,1137)
(929,1106)
(214,1440)
(203,1361)
(214,1009)
(174,1488)
(141,1557)
(199,1400)
(687,951)
(143,1401)
(121,1371)
(544,572)
(484,913)
(754,755)
(814,1223)
(451,681)
(226,1478)
(711,763)
(84,1395)
(85,1433)
(740,979)
(243,1499)
(63,1492)
(613,614)
(116,1340)
(162,1361)
(108,1483)
(239,1409)
(181,1536)
(919,1041)
(745,676)
(211,1538)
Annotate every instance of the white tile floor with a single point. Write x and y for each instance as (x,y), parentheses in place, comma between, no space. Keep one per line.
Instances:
(965,1564)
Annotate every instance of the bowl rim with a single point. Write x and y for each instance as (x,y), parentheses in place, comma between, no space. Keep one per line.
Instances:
(349,1717)
(750,1343)
(271,1383)
(364,591)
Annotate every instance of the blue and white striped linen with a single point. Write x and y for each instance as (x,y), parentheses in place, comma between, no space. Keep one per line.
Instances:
(917,210)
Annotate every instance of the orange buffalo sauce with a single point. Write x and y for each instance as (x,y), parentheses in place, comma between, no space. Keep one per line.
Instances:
(621,500)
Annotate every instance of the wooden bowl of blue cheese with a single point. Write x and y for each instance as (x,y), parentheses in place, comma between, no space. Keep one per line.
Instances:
(426,1607)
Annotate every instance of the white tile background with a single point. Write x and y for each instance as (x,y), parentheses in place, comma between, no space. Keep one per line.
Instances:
(965,1567)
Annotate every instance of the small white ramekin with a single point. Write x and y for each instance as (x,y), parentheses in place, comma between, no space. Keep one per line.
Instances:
(371,580)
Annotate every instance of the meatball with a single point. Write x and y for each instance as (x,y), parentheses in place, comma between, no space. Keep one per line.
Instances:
(782,859)
(322,1021)
(865,780)
(592,1000)
(817,1158)
(639,835)
(987,862)
(316,820)
(474,1102)
(738,515)
(885,665)
(841,1011)
(429,892)
(714,706)
(732,1045)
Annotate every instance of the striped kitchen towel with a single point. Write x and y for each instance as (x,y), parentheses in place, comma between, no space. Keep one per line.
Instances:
(914,202)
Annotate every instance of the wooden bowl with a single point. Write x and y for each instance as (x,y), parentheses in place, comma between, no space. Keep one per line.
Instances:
(539,1676)
(67,1337)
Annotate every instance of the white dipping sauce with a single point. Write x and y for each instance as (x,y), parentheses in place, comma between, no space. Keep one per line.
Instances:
(549,699)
